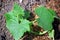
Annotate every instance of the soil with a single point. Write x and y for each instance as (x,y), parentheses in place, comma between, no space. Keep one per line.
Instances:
(6,6)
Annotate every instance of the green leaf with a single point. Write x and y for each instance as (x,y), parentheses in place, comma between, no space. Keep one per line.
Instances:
(27,13)
(52,12)
(51,34)
(7,16)
(18,10)
(46,17)
(16,29)
(15,22)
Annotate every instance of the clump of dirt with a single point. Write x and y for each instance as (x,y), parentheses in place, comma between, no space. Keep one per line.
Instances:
(36,37)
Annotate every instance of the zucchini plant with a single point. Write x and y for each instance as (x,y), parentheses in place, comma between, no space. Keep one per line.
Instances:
(17,23)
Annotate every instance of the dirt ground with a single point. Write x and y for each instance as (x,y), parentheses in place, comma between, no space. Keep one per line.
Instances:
(6,6)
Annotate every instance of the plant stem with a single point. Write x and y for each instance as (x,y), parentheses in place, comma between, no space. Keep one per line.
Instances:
(57,17)
(40,33)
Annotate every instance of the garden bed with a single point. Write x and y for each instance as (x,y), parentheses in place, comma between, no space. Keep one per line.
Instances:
(8,5)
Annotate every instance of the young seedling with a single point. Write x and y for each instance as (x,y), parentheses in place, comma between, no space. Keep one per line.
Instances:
(17,23)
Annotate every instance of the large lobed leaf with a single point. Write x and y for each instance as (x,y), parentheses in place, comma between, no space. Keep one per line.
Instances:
(15,22)
(46,17)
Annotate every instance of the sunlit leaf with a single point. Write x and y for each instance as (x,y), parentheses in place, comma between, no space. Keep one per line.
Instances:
(15,22)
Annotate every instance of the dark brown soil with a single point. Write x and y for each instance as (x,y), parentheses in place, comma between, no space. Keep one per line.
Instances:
(6,5)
